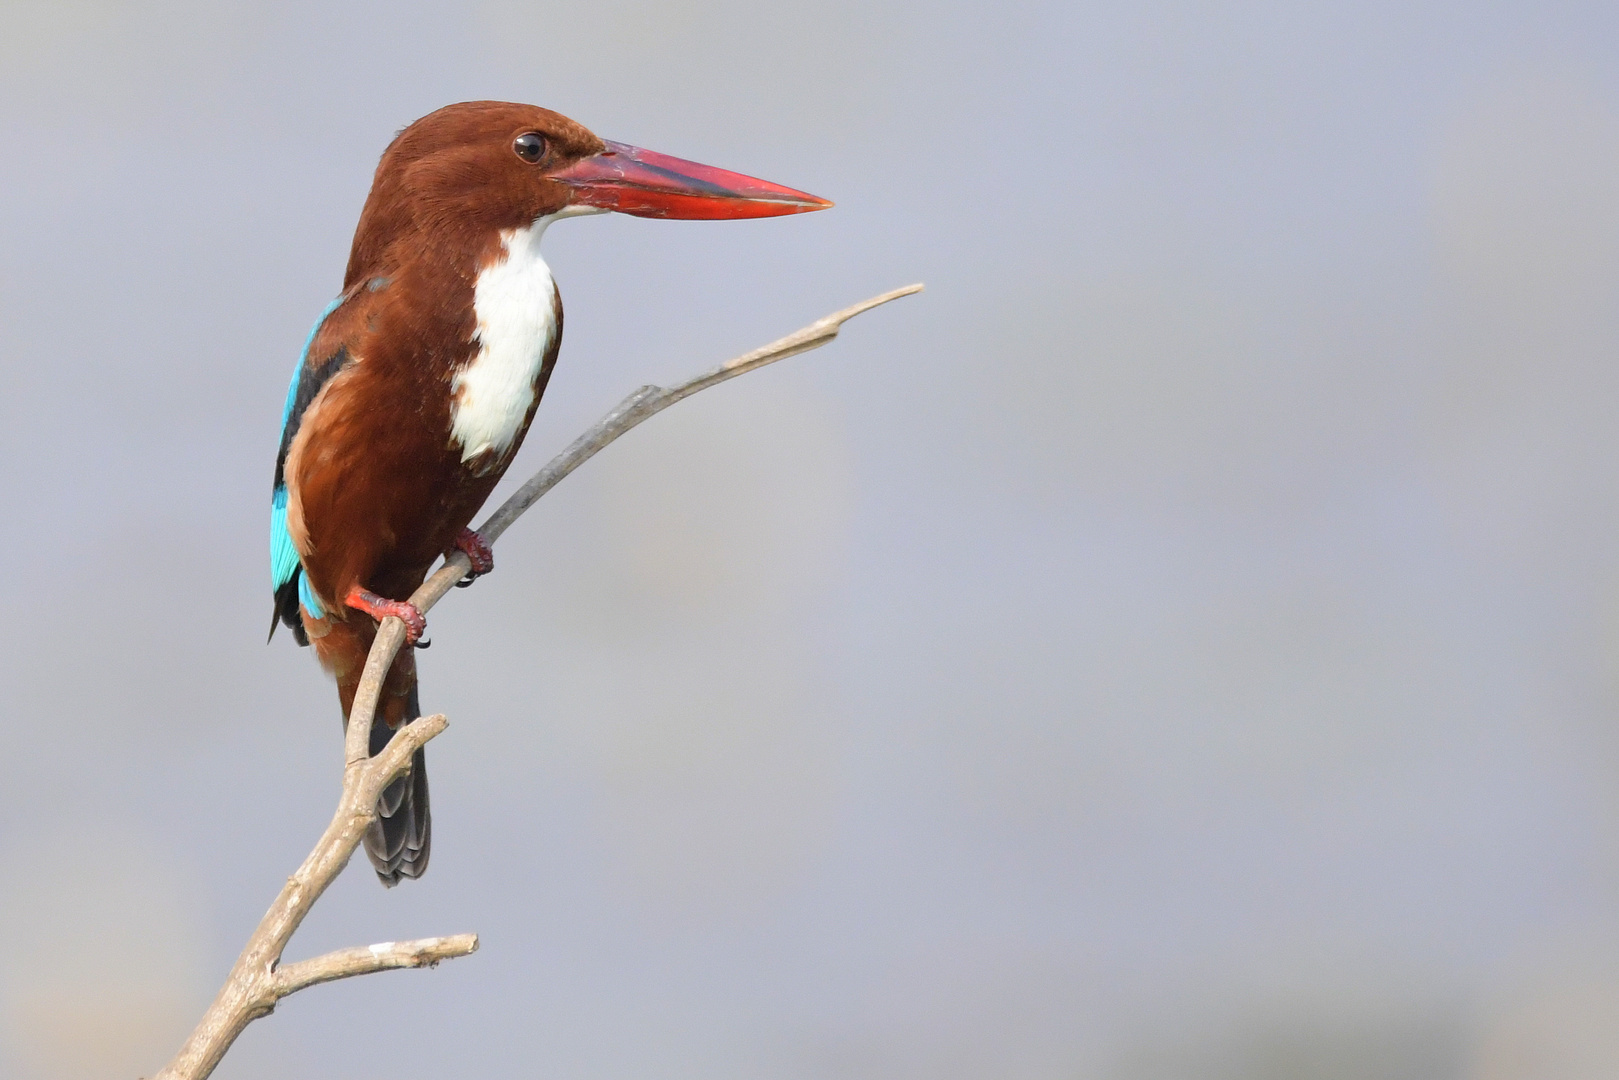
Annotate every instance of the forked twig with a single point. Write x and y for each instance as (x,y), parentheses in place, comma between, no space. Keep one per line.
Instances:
(255,984)
(258,981)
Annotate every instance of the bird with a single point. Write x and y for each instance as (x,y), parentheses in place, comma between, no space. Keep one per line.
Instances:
(418,382)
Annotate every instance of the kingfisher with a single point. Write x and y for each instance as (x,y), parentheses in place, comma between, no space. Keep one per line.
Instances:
(418,382)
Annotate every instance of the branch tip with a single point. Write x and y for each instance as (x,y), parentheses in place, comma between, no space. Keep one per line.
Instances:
(367,959)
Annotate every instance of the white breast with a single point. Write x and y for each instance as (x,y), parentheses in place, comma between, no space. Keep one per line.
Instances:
(512,300)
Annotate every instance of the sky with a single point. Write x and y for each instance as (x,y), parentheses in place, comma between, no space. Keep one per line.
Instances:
(1181,644)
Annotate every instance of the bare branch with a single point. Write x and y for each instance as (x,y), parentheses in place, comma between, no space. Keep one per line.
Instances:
(364,959)
(646,402)
(257,982)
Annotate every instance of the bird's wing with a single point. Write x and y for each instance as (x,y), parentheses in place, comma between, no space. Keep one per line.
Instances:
(320,360)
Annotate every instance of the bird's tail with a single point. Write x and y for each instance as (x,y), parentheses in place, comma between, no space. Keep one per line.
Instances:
(400,839)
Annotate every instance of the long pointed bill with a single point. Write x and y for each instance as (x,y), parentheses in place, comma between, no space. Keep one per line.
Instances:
(648,184)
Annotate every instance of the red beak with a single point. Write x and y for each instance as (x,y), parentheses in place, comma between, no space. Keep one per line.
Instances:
(648,184)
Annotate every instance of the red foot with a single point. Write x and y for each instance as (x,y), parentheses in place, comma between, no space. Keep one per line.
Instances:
(479,553)
(375,606)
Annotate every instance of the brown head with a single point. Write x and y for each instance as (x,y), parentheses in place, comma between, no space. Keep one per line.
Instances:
(481,166)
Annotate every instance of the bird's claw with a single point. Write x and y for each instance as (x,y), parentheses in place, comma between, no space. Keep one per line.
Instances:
(379,608)
(479,554)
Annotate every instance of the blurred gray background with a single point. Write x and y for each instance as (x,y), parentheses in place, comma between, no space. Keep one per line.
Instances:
(1183,643)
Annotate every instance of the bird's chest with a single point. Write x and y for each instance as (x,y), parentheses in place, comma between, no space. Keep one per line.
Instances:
(492,394)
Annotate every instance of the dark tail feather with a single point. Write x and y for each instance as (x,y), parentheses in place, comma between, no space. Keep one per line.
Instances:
(399,841)
(287,611)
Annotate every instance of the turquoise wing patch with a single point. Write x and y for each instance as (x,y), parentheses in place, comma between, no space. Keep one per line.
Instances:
(307,380)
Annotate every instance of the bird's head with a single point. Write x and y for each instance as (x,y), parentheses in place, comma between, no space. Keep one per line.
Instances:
(495,164)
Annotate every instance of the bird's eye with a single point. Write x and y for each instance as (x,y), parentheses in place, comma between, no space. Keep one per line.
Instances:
(530,146)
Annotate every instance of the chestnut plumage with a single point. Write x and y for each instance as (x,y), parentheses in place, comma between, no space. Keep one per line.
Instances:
(419,381)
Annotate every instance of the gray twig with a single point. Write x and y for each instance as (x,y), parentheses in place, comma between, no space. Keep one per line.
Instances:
(641,405)
(364,959)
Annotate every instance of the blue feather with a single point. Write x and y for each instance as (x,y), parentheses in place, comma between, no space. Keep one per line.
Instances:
(307,597)
(283,556)
(284,562)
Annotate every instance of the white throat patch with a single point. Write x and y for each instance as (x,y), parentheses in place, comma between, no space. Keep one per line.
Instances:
(512,302)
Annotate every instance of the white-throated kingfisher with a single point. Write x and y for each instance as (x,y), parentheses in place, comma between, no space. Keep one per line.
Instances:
(418,382)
